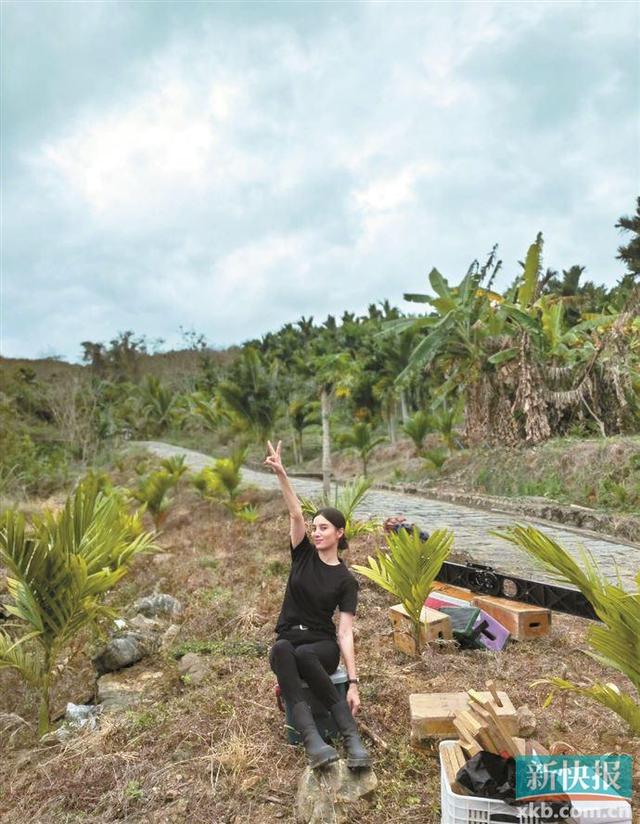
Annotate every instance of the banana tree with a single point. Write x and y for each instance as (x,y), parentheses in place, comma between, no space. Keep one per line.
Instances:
(616,641)
(409,569)
(60,567)
(461,321)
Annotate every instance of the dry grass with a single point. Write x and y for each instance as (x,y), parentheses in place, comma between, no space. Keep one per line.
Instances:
(217,751)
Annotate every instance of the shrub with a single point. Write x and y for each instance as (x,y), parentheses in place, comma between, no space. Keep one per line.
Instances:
(417,428)
(346,499)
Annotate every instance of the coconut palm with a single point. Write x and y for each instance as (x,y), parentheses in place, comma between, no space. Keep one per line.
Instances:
(159,406)
(250,393)
(616,641)
(60,566)
(409,569)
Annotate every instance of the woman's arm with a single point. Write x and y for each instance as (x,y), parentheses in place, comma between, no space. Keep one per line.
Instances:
(296,519)
(345,642)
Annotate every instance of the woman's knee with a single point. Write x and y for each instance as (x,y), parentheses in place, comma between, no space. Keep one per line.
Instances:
(279,651)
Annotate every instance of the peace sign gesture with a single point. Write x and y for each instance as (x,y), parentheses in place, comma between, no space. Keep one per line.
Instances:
(273,459)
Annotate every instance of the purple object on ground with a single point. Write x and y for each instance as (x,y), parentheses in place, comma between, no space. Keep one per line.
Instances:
(493,636)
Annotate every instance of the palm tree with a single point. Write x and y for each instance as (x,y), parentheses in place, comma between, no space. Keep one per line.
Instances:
(361,439)
(158,405)
(331,373)
(151,490)
(250,393)
(302,414)
(59,570)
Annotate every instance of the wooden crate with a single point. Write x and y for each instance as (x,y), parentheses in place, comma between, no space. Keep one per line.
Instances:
(435,626)
(432,713)
(523,621)
(460,593)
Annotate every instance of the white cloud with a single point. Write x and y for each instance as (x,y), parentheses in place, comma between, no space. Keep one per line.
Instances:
(251,168)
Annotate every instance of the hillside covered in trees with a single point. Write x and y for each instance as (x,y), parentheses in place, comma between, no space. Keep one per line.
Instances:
(552,355)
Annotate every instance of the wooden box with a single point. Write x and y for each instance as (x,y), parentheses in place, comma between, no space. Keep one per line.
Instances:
(432,713)
(459,593)
(434,626)
(523,621)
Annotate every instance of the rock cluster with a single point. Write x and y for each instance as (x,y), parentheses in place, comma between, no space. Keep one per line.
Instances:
(326,795)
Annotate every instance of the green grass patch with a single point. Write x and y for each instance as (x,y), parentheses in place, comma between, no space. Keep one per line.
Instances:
(230,648)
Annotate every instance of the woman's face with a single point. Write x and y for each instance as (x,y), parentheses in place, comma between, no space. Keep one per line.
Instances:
(324,533)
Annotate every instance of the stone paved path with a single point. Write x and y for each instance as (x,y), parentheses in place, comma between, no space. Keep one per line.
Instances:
(470,526)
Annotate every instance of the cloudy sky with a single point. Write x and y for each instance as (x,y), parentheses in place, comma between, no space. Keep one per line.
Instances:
(229,167)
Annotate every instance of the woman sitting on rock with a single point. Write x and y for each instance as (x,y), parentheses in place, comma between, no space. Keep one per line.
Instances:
(306,647)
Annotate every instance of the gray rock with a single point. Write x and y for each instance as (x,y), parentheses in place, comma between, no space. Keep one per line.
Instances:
(147,626)
(324,795)
(161,604)
(168,637)
(124,689)
(82,715)
(526,721)
(193,668)
(123,650)
(15,732)
(78,717)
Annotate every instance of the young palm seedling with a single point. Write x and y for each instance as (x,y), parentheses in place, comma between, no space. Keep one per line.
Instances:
(409,569)
(60,566)
(615,641)
(152,489)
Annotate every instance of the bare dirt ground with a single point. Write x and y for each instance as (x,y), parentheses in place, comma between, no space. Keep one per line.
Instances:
(217,751)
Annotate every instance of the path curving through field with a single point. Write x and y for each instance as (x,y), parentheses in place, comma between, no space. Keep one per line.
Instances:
(470,526)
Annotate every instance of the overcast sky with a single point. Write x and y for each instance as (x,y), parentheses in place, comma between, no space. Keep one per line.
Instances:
(229,167)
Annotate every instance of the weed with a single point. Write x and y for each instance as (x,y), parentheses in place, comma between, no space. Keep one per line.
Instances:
(208,563)
(133,791)
(141,721)
(277,568)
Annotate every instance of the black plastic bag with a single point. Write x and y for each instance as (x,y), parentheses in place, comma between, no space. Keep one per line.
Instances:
(488,775)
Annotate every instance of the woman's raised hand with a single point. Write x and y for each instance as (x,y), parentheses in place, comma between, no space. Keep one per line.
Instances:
(273,459)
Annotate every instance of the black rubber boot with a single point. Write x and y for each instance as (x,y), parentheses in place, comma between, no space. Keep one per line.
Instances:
(357,756)
(318,752)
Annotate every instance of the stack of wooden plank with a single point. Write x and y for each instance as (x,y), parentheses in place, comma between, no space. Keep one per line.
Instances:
(480,726)
(432,713)
(453,758)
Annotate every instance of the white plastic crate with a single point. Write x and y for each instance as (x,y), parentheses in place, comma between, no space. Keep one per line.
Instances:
(470,809)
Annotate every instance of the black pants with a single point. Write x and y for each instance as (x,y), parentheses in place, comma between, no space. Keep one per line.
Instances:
(304,655)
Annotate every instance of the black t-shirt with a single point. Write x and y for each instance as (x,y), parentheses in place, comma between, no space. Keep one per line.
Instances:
(315,589)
